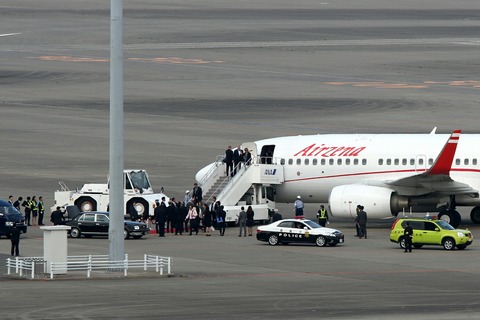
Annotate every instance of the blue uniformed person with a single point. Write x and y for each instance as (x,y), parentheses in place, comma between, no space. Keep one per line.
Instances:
(298,206)
(322,216)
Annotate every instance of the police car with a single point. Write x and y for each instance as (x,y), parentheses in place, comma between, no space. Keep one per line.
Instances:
(299,231)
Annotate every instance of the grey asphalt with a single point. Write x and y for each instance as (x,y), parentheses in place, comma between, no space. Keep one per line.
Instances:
(200,76)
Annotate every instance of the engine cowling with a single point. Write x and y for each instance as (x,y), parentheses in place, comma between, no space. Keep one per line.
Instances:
(379,202)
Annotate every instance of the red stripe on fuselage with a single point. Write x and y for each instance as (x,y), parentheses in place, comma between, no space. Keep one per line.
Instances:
(377,172)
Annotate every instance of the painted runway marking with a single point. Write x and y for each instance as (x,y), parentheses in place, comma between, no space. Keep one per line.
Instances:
(171,60)
(379,85)
(9,34)
(176,60)
(425,84)
(69,59)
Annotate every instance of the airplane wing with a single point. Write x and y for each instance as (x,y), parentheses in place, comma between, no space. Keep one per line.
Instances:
(437,179)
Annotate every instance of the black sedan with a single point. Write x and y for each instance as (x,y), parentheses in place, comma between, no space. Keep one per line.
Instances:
(96,224)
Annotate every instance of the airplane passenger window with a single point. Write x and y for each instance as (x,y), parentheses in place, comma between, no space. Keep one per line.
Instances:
(457,162)
(355,162)
(397,162)
(282,161)
(474,162)
(412,162)
(299,161)
(307,161)
(420,161)
(330,162)
(404,161)
(290,161)
(465,162)
(430,161)
(323,162)
(314,162)
(347,162)
(339,162)
(364,162)
(380,162)
(389,161)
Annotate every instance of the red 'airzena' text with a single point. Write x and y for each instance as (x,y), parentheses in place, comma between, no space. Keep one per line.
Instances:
(323,151)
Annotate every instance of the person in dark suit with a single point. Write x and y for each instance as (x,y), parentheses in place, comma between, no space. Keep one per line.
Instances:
(229,161)
(362,222)
(237,159)
(160,217)
(15,239)
(408,233)
(197,194)
(57,217)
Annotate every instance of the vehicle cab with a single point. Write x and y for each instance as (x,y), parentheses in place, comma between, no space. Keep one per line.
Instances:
(10,216)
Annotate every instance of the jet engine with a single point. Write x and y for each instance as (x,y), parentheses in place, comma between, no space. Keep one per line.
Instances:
(379,202)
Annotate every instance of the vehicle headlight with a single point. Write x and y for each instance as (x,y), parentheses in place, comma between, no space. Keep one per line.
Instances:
(460,234)
(9,224)
(136,227)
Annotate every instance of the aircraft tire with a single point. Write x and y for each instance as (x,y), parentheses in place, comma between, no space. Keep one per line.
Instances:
(475,215)
(450,216)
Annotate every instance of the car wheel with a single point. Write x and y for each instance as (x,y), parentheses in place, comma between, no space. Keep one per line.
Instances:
(273,239)
(75,233)
(417,246)
(448,243)
(461,247)
(401,242)
(126,234)
(320,241)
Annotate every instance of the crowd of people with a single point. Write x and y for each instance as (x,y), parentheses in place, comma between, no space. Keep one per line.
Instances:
(34,209)
(193,215)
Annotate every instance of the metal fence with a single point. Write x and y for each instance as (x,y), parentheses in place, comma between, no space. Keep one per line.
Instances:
(32,267)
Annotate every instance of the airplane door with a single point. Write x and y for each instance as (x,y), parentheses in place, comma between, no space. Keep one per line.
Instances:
(266,155)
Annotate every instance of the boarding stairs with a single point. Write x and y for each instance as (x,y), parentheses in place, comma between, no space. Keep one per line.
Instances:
(231,191)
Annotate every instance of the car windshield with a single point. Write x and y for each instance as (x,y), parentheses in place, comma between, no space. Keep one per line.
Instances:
(312,224)
(444,225)
(7,210)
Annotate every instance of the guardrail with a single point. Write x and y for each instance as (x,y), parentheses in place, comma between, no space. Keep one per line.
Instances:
(37,266)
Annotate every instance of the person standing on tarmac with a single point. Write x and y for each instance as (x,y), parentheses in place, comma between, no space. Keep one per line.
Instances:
(242,222)
(362,222)
(298,206)
(41,210)
(15,239)
(160,217)
(322,216)
(408,235)
(28,211)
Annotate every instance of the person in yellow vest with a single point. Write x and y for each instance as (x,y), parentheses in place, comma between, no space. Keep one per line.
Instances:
(322,216)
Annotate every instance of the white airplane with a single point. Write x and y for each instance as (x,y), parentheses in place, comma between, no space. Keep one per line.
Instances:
(386,173)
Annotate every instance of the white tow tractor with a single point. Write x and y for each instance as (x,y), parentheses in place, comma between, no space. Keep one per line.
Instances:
(138,193)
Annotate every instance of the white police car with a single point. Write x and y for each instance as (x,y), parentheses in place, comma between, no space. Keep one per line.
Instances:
(299,231)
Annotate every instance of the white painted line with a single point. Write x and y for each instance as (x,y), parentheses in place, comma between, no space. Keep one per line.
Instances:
(8,34)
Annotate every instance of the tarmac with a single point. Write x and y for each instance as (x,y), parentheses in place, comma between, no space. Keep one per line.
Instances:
(200,77)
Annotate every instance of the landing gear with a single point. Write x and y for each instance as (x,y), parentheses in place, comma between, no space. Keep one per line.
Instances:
(475,215)
(450,216)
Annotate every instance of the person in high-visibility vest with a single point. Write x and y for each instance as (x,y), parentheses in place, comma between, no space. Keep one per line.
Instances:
(322,216)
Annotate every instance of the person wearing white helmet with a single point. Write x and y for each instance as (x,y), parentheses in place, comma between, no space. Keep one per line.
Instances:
(187,198)
(298,206)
